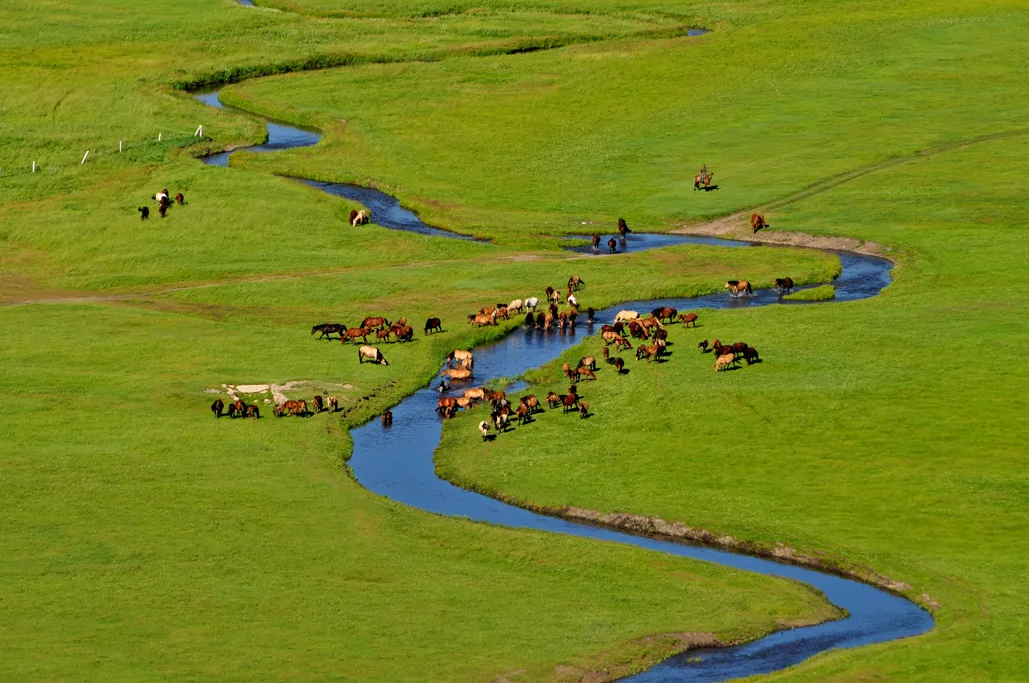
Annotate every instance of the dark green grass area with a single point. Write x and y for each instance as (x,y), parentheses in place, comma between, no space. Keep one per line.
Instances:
(889,433)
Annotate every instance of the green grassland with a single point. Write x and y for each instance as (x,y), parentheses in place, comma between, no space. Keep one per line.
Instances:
(888,433)
(145,540)
(823,293)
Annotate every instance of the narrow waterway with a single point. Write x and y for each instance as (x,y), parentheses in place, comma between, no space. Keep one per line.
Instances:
(398,462)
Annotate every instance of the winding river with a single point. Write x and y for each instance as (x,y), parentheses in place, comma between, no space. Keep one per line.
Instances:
(398,462)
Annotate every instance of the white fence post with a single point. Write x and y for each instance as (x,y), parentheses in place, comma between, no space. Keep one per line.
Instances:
(200,131)
(84,157)
(119,146)
(33,166)
(159,136)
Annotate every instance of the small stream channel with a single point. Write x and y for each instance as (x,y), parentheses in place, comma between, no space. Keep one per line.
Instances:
(398,462)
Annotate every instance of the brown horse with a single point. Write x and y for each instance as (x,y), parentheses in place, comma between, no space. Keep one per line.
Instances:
(784,284)
(374,323)
(456,373)
(329,329)
(483,320)
(301,408)
(387,419)
(637,330)
(217,407)
(163,205)
(612,245)
(575,283)
(596,241)
(465,358)
(619,365)
(588,362)
(664,313)
(702,179)
(333,404)
(726,360)
(144,212)
(403,334)
(702,346)
(687,318)
(623,228)
(737,287)
(569,401)
(649,352)
(383,335)
(353,333)
(584,410)
(566,369)
(553,400)
(179,199)
(318,404)
(445,403)
(750,355)
(757,221)
(584,373)
(531,402)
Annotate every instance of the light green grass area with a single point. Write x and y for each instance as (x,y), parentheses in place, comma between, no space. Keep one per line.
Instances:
(779,97)
(887,433)
(142,539)
(823,293)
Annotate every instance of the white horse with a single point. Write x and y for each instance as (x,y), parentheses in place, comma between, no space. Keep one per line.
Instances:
(515,306)
(531,303)
(484,429)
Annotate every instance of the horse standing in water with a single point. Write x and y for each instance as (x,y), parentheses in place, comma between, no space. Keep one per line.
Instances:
(623,228)
(611,245)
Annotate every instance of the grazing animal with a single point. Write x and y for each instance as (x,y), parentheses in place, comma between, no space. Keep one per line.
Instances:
(318,404)
(637,330)
(702,179)
(301,408)
(612,245)
(649,352)
(784,284)
(487,310)
(606,353)
(588,362)
(584,410)
(724,361)
(501,421)
(387,419)
(522,413)
(757,221)
(553,400)
(619,364)
(433,325)
(572,301)
(372,354)
(457,373)
(567,370)
(179,199)
(555,297)
(702,346)
(541,321)
(575,283)
(651,324)
(661,335)
(664,313)
(738,348)
(217,407)
(463,402)
(569,401)
(496,396)
(589,315)
(502,312)
(465,358)
(750,355)
(531,303)
(144,212)
(596,241)
(359,217)
(616,339)
(374,323)
(549,291)
(279,410)
(483,320)
(162,207)
(515,306)
(444,403)
(403,334)
(484,429)
(687,319)
(737,287)
(383,335)
(623,228)
(548,321)
(333,404)
(574,389)
(530,320)
(626,316)
(531,402)
(585,373)
(237,409)
(353,333)
(253,411)
(329,329)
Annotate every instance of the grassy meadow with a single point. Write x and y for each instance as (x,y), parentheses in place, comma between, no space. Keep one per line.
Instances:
(145,540)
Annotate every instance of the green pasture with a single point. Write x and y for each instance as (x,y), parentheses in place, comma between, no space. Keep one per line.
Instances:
(145,540)
(887,434)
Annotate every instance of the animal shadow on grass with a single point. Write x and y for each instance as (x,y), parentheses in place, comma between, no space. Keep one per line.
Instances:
(709,188)
(490,437)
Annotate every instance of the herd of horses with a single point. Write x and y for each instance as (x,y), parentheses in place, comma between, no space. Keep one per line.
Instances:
(299,408)
(164,202)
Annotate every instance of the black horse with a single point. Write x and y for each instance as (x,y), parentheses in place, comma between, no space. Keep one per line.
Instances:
(329,329)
